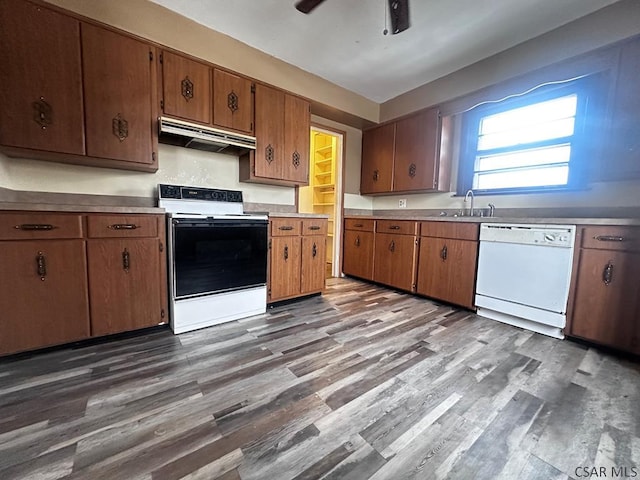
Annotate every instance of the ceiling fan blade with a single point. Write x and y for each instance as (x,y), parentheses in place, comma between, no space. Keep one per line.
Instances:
(305,6)
(399,13)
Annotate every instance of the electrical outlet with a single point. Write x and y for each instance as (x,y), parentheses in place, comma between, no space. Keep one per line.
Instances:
(402,203)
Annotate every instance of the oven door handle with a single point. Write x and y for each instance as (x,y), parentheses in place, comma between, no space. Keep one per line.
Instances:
(220,223)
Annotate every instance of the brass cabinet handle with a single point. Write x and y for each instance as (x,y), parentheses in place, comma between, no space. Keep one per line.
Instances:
(412,170)
(376,175)
(285,227)
(394,227)
(443,253)
(358,241)
(286,252)
(314,250)
(232,101)
(35,226)
(607,273)
(126,260)
(314,227)
(392,246)
(123,226)
(41,262)
(608,238)
(187,88)
(269,154)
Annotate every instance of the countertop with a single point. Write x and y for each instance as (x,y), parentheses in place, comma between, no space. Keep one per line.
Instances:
(298,215)
(49,207)
(521,220)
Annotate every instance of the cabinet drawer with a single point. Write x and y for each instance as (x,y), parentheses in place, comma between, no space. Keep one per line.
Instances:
(122,226)
(404,227)
(314,226)
(285,227)
(359,225)
(25,226)
(458,231)
(611,238)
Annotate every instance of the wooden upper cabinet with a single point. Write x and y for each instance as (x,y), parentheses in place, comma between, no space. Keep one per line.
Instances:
(119,82)
(623,149)
(377,159)
(269,132)
(416,152)
(40,79)
(232,102)
(297,126)
(186,88)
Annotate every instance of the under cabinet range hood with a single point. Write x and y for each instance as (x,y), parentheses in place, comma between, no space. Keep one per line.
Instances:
(202,137)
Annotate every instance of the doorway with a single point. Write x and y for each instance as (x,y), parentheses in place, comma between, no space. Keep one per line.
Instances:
(324,193)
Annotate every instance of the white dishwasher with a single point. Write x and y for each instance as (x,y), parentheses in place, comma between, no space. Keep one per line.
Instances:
(524,273)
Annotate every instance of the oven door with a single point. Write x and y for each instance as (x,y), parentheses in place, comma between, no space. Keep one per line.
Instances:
(217,255)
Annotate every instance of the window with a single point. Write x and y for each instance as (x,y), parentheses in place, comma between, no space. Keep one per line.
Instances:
(531,143)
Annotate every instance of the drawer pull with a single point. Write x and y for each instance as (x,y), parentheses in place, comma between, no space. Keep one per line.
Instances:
(358,225)
(286,227)
(443,253)
(358,241)
(41,261)
(123,226)
(35,226)
(607,273)
(392,246)
(394,227)
(608,238)
(126,260)
(314,227)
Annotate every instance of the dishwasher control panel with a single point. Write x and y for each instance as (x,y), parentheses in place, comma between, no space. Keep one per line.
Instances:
(529,234)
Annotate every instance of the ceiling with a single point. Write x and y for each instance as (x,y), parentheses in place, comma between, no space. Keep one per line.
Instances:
(342,40)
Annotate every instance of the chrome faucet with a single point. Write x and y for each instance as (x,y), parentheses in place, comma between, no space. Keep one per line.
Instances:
(466,197)
(492,209)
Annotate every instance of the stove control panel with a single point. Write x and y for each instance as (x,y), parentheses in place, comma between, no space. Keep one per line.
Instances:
(180,192)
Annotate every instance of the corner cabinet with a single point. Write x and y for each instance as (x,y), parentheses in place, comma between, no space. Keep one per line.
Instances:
(282,129)
(297,249)
(409,155)
(68,277)
(40,79)
(606,292)
(448,262)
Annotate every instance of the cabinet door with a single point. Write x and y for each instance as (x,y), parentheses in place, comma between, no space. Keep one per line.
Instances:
(295,165)
(43,294)
(118,73)
(394,260)
(186,88)
(40,79)
(284,267)
(232,101)
(313,263)
(377,159)
(416,152)
(358,254)
(607,298)
(125,283)
(623,150)
(269,132)
(447,270)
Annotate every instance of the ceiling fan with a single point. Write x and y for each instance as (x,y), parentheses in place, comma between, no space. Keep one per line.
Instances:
(399,10)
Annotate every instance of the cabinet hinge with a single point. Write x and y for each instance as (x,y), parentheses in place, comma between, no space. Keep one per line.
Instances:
(269,293)
(153,157)
(417,241)
(161,59)
(251,127)
(413,287)
(269,244)
(253,88)
(162,105)
(150,56)
(162,313)
(161,247)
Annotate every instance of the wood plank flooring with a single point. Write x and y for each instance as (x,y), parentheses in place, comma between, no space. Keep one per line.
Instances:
(363,382)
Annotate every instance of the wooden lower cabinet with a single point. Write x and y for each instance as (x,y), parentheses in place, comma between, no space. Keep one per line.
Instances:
(607,299)
(122,295)
(297,258)
(447,270)
(43,294)
(394,262)
(358,254)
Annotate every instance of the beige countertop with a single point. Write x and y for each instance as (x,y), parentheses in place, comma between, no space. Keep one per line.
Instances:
(47,207)
(298,215)
(520,220)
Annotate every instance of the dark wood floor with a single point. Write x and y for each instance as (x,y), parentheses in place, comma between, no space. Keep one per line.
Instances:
(361,383)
